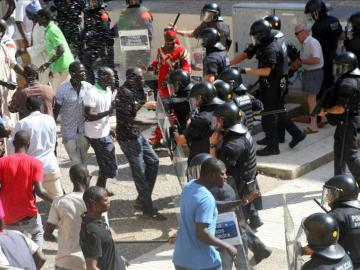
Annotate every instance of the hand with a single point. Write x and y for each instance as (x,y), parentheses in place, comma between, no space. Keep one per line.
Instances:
(322,112)
(113,134)
(172,119)
(172,25)
(215,138)
(150,105)
(232,251)
(250,197)
(141,65)
(126,262)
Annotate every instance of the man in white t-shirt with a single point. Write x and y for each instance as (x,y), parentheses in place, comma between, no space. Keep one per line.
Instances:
(23,28)
(65,213)
(98,107)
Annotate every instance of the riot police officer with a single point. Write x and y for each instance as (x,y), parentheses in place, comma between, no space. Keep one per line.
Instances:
(203,102)
(341,193)
(179,86)
(237,151)
(98,39)
(352,35)
(327,30)
(211,17)
(322,233)
(216,58)
(224,90)
(272,70)
(344,113)
(245,101)
(293,54)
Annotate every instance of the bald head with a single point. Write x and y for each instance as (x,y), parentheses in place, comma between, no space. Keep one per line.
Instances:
(21,139)
(106,77)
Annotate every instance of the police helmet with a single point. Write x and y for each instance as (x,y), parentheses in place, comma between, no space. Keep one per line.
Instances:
(353,25)
(177,81)
(344,63)
(232,76)
(206,93)
(315,8)
(274,21)
(260,31)
(231,117)
(210,38)
(223,90)
(134,2)
(322,233)
(340,188)
(194,167)
(210,12)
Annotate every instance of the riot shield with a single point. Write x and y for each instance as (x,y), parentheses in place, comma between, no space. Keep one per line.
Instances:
(176,152)
(293,247)
(197,55)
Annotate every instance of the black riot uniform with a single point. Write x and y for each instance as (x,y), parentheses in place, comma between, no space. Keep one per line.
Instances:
(293,53)
(245,101)
(343,192)
(272,54)
(179,86)
(224,91)
(347,95)
(68,17)
(352,39)
(98,39)
(238,153)
(326,29)
(201,127)
(322,233)
(216,58)
(211,17)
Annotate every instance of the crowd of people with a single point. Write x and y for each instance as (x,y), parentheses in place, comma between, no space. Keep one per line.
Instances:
(58,61)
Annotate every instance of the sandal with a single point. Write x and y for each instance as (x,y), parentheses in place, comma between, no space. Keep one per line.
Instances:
(308,130)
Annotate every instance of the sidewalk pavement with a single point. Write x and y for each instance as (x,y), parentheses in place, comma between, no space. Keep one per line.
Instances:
(300,193)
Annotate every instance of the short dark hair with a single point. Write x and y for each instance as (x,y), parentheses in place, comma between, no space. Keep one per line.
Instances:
(79,174)
(33,103)
(21,138)
(45,12)
(74,66)
(210,167)
(93,194)
(31,71)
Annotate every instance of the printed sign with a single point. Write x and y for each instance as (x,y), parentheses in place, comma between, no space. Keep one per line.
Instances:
(227,228)
(134,40)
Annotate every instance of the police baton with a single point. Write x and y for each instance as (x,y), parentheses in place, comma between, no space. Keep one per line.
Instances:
(321,102)
(322,207)
(272,112)
(176,19)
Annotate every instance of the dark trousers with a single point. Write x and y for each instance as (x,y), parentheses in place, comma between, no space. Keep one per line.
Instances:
(351,158)
(144,164)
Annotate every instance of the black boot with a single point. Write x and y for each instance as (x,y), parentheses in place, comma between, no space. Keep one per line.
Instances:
(268,151)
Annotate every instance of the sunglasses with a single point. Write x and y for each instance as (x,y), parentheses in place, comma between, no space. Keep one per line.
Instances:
(298,33)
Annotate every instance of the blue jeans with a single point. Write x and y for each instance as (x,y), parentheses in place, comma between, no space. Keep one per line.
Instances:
(144,164)
(184,268)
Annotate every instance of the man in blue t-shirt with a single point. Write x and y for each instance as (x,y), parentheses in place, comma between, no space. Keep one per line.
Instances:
(195,246)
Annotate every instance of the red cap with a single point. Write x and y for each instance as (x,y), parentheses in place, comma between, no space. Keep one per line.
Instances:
(170,33)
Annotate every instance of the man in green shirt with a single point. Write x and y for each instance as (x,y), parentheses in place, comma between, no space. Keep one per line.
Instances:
(58,50)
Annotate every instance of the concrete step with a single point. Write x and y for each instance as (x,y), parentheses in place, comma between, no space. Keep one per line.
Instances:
(314,151)
(294,109)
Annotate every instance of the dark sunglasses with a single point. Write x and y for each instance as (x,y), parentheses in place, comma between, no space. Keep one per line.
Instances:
(297,33)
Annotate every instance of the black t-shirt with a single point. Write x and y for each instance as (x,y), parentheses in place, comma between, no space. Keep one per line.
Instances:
(96,242)
(327,31)
(318,262)
(215,62)
(128,102)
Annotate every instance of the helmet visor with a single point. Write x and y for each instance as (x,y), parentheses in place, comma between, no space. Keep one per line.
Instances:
(194,102)
(207,16)
(339,70)
(194,172)
(329,195)
(255,40)
(172,88)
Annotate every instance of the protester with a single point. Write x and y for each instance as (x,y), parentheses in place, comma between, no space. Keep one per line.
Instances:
(195,246)
(33,88)
(65,213)
(37,48)
(69,103)
(17,250)
(98,107)
(96,241)
(312,61)
(42,130)
(20,176)
(143,161)
(58,51)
